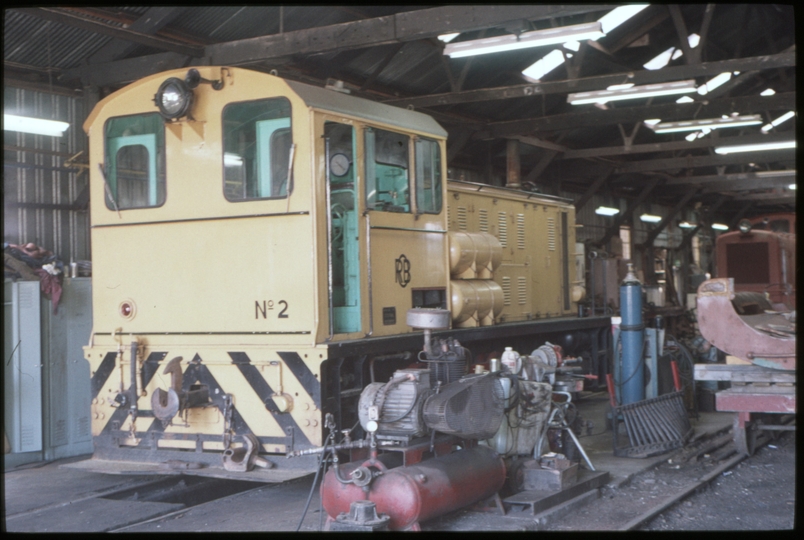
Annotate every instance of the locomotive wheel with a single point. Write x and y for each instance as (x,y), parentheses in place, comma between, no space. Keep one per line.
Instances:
(745,438)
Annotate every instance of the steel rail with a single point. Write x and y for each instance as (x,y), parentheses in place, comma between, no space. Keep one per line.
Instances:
(678,497)
(183,510)
(94,495)
(690,489)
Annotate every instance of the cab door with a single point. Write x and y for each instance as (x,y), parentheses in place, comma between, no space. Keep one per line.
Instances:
(403,197)
(343,236)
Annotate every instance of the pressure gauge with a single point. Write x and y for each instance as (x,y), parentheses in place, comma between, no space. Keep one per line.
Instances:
(371,426)
(339,164)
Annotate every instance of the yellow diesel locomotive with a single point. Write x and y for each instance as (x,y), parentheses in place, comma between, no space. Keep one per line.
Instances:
(257,244)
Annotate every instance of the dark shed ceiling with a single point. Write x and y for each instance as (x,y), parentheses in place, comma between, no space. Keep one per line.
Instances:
(392,54)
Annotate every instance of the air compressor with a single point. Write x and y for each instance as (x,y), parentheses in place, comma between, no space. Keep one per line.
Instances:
(422,426)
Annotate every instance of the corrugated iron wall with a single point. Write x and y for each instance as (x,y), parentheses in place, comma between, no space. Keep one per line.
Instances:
(39,192)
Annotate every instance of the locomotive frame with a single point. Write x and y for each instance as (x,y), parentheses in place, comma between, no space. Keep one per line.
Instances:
(271,235)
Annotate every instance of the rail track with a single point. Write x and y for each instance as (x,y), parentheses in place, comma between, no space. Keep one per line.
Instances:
(649,494)
(136,503)
(145,505)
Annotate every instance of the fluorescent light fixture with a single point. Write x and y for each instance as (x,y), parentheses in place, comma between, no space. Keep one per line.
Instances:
(785,117)
(617,16)
(791,186)
(781,145)
(768,92)
(649,218)
(536,38)
(544,66)
(776,174)
(687,225)
(709,123)
(684,99)
(648,90)
(652,122)
(37,126)
(608,22)
(720,227)
(446,38)
(232,160)
(606,211)
(716,81)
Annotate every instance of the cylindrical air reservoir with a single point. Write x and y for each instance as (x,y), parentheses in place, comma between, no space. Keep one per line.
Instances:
(417,493)
(632,371)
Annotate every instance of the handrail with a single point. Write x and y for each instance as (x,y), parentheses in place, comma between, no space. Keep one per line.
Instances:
(368,268)
(329,238)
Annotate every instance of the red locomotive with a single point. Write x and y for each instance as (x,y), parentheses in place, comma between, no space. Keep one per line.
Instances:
(761,257)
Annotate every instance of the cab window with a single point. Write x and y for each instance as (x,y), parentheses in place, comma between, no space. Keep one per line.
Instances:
(428,176)
(134,162)
(387,177)
(256,149)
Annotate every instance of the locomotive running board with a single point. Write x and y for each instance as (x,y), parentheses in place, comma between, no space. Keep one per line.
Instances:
(268,476)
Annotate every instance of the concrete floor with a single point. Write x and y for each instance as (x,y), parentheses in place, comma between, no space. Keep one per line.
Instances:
(44,497)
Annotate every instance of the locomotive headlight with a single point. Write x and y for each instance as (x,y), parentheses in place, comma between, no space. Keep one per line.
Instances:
(173,98)
(744,226)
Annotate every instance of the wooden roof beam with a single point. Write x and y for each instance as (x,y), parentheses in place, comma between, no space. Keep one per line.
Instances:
(690,162)
(594,117)
(671,146)
(585,84)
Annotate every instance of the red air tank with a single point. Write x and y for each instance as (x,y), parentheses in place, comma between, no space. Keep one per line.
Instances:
(417,493)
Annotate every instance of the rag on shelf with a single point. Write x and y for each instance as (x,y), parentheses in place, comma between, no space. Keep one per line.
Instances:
(31,262)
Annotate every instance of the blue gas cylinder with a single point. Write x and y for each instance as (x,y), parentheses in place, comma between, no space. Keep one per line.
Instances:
(632,371)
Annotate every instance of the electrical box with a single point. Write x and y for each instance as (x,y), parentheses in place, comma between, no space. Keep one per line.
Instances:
(66,372)
(47,379)
(23,366)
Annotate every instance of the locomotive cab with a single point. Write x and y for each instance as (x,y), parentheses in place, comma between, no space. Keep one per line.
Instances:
(247,223)
(257,246)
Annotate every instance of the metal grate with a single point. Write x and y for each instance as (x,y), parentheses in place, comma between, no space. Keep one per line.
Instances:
(654,426)
(506,287)
(461,211)
(502,228)
(483,219)
(522,286)
(520,231)
(551,234)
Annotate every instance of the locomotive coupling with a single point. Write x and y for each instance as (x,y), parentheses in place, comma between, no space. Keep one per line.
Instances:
(245,459)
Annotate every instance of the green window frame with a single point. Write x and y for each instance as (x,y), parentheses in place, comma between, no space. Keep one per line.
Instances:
(387,186)
(428,176)
(134,162)
(257,138)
